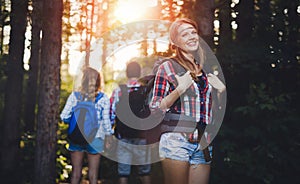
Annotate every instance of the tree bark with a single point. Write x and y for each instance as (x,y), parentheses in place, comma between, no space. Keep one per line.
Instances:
(204,16)
(49,92)
(31,94)
(225,19)
(13,93)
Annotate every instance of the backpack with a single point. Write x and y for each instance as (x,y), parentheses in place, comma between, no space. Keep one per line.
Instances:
(133,107)
(137,100)
(83,125)
(134,100)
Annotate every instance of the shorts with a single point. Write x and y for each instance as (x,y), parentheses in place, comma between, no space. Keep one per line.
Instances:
(95,147)
(124,170)
(175,146)
(128,156)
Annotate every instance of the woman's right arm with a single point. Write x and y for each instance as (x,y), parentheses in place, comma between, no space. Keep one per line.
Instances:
(183,83)
(161,98)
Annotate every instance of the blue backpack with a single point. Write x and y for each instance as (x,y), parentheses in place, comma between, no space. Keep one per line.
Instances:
(83,125)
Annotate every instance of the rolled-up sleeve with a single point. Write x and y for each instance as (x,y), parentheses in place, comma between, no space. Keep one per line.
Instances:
(102,107)
(66,113)
(106,119)
(161,86)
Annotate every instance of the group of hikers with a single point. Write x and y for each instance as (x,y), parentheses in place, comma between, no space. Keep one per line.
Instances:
(180,88)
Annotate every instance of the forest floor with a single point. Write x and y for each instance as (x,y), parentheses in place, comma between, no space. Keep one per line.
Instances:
(109,176)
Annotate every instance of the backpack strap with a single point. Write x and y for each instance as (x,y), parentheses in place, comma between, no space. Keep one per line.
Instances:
(99,96)
(78,95)
(179,70)
(201,129)
(80,98)
(124,89)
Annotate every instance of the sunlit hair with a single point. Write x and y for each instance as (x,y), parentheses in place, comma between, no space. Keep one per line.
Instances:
(90,83)
(182,60)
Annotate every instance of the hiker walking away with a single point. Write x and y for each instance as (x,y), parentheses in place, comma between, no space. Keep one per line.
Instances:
(189,94)
(89,91)
(126,135)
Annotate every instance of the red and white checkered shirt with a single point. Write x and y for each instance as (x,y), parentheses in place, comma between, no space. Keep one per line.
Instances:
(196,102)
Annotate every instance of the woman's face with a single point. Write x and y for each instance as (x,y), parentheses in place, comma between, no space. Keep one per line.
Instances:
(187,38)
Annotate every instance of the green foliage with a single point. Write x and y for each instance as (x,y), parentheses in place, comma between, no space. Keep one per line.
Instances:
(259,139)
(63,156)
(264,145)
(27,148)
(261,101)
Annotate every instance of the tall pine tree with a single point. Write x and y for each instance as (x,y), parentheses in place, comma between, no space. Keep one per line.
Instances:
(49,93)
(13,93)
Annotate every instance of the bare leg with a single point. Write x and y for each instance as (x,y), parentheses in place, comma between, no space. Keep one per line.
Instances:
(123,180)
(199,174)
(175,172)
(76,160)
(145,179)
(93,161)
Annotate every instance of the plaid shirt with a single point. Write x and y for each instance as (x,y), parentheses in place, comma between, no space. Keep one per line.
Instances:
(103,119)
(114,99)
(196,102)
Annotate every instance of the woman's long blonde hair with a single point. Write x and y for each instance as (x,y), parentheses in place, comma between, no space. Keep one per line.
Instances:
(181,59)
(90,83)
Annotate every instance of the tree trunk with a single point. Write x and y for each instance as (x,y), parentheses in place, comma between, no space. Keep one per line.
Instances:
(49,92)
(225,19)
(13,94)
(31,95)
(204,16)
(245,20)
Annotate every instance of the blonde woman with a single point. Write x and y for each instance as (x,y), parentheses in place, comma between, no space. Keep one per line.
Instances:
(183,159)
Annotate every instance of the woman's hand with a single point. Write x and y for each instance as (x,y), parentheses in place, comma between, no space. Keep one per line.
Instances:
(108,141)
(216,82)
(184,82)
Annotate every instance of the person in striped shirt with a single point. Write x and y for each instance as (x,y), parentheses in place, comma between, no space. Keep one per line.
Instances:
(183,158)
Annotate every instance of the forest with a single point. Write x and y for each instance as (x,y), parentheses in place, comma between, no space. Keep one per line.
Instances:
(43,44)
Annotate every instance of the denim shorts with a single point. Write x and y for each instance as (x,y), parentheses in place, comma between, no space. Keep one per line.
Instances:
(127,154)
(175,146)
(96,146)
